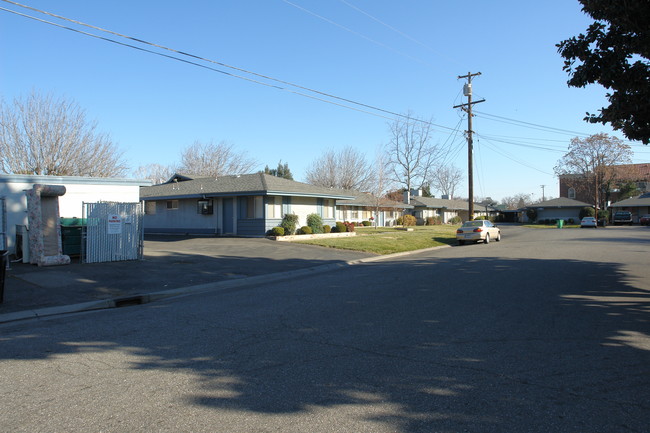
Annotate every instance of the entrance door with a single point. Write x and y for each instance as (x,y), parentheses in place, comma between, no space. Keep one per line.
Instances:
(228,223)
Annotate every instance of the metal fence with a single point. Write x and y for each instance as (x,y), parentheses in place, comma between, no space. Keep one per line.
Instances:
(3,224)
(112,232)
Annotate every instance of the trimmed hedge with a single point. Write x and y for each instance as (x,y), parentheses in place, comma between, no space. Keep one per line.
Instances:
(276,231)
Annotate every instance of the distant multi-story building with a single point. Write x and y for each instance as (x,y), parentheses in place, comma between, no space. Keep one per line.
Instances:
(576,187)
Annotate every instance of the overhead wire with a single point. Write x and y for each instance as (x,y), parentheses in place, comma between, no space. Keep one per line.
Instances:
(354,32)
(399,32)
(200,58)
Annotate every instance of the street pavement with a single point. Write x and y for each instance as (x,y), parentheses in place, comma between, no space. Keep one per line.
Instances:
(170,262)
(545,331)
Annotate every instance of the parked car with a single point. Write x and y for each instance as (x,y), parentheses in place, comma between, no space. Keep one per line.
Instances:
(622,217)
(478,230)
(645,220)
(588,222)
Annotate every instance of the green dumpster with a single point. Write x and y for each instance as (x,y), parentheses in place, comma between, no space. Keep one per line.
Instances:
(560,223)
(71,236)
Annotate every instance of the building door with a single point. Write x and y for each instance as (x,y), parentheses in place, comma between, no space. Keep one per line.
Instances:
(228,216)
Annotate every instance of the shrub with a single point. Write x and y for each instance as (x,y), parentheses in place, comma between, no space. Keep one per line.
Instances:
(571,221)
(349,227)
(366,223)
(289,223)
(455,220)
(339,228)
(327,229)
(315,222)
(586,212)
(276,231)
(399,221)
(305,230)
(408,220)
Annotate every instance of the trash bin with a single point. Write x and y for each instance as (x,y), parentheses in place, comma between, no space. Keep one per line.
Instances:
(3,267)
(560,223)
(71,229)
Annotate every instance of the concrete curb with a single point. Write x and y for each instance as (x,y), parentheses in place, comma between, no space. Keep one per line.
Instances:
(189,290)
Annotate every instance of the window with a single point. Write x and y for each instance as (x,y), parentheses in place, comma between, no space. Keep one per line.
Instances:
(327,208)
(270,207)
(204,207)
(255,207)
(572,193)
(172,204)
(150,207)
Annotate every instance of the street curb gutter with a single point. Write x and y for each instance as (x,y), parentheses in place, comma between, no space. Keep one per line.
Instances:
(200,288)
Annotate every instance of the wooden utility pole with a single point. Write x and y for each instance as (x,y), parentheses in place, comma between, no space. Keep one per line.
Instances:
(467,91)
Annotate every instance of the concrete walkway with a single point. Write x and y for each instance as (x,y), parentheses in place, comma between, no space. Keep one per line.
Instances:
(172,265)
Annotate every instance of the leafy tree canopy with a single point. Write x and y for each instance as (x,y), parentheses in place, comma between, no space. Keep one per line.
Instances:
(614,53)
(283,171)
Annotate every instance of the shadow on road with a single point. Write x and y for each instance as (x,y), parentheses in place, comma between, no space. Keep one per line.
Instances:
(416,346)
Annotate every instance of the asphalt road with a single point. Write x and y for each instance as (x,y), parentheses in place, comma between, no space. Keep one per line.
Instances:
(545,331)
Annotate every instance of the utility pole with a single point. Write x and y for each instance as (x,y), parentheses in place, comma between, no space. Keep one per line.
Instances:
(467,91)
(543,186)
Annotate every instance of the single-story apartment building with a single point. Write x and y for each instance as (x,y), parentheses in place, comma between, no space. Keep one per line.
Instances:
(557,208)
(446,209)
(366,207)
(639,206)
(78,190)
(242,205)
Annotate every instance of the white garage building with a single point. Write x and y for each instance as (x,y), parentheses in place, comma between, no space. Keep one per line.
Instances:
(79,190)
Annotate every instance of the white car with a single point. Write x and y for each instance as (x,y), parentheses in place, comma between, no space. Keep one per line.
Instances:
(588,222)
(478,230)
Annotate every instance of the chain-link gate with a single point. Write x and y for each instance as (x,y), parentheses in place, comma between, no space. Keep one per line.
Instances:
(112,232)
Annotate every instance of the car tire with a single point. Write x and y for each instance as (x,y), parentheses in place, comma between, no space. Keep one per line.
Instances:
(461,242)
(487,238)
(498,239)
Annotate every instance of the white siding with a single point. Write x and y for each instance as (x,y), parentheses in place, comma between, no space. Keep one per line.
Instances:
(78,190)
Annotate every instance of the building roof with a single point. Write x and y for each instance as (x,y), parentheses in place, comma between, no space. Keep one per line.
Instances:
(632,172)
(71,180)
(640,201)
(184,186)
(560,202)
(368,200)
(441,203)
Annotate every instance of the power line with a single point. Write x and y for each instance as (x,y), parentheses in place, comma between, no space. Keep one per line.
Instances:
(354,32)
(530,125)
(195,57)
(401,33)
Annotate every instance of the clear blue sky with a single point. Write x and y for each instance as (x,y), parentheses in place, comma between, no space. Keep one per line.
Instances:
(395,55)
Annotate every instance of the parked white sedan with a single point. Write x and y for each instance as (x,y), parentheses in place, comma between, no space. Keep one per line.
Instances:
(478,230)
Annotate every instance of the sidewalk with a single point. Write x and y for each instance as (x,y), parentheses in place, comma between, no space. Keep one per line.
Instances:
(170,262)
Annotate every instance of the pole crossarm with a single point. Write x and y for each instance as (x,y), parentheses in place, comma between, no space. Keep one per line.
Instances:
(467,105)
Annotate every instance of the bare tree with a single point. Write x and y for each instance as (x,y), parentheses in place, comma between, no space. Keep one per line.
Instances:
(215,159)
(446,179)
(156,173)
(590,164)
(47,136)
(345,169)
(517,201)
(411,156)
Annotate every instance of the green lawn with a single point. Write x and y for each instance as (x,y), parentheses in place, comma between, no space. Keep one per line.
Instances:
(387,240)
